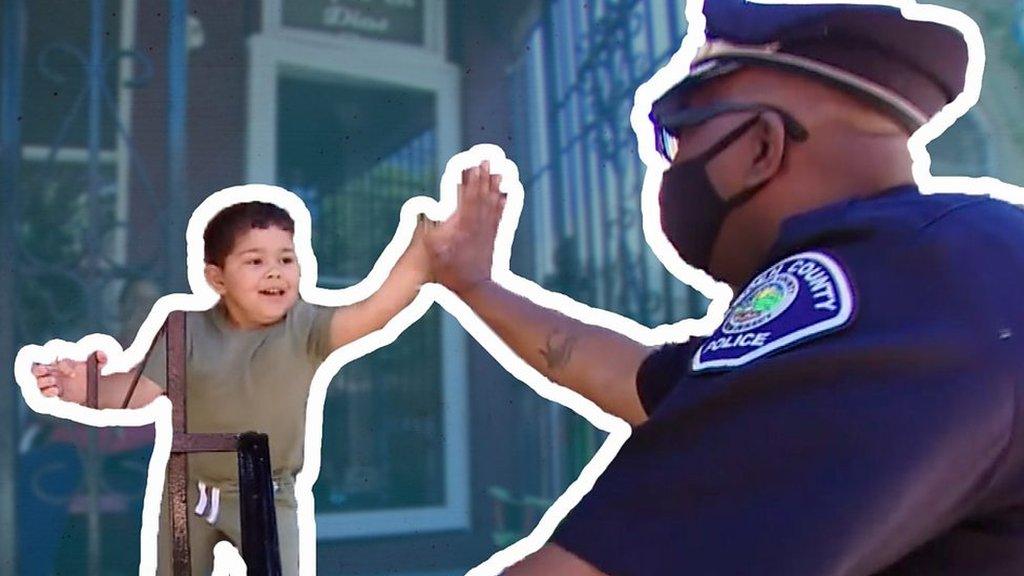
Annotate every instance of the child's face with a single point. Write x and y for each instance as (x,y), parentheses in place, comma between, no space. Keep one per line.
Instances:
(260,278)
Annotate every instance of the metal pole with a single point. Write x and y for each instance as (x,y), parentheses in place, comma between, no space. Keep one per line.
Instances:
(177,467)
(257,515)
(556,417)
(10,159)
(93,464)
(177,142)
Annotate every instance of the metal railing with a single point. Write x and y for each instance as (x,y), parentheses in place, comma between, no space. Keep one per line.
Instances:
(258,517)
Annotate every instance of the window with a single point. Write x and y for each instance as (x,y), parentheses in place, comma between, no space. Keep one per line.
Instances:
(581,68)
(62,184)
(964,149)
(356,140)
(583,175)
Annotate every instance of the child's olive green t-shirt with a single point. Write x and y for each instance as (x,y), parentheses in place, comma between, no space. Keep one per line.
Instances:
(242,380)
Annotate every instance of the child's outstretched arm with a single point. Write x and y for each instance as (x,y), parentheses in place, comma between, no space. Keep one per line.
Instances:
(412,270)
(65,379)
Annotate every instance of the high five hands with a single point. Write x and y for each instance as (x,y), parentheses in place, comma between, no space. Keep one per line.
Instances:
(461,249)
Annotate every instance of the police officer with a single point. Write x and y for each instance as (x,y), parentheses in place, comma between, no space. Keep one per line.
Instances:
(859,410)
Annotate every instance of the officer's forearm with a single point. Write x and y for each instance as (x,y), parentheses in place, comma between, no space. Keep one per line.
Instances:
(597,363)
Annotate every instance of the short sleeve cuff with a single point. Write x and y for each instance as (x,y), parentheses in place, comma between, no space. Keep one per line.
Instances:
(660,372)
(320,332)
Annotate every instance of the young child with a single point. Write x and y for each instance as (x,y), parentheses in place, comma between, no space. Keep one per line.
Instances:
(250,363)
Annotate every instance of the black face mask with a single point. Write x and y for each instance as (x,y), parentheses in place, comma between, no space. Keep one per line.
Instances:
(692,211)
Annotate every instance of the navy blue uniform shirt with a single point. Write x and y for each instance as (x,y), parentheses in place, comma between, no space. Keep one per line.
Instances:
(858,412)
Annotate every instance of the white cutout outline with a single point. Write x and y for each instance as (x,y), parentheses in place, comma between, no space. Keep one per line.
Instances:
(846,305)
(158,412)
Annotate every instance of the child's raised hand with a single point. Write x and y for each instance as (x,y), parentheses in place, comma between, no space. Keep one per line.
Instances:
(416,258)
(64,379)
(462,248)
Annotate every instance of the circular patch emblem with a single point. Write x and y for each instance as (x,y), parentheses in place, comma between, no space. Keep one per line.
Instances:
(803,296)
(762,303)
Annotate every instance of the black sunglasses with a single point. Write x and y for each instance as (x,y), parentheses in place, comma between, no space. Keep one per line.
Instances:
(668,125)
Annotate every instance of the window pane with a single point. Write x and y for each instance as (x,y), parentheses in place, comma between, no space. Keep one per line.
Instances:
(355,151)
(55,101)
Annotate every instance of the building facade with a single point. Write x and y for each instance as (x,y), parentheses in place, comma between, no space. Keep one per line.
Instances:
(120,116)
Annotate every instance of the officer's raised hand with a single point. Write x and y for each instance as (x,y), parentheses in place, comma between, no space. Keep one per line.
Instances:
(462,247)
(595,362)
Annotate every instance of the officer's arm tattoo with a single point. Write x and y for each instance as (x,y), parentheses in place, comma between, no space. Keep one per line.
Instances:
(559,348)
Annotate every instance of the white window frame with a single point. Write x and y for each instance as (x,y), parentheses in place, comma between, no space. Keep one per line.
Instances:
(272,56)
(434,32)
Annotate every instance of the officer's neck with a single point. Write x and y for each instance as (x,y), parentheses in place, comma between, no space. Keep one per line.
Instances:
(857,166)
(831,174)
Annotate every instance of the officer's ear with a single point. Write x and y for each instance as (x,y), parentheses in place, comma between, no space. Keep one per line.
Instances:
(770,144)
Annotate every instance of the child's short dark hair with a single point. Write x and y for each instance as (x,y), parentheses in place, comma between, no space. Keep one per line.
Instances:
(233,221)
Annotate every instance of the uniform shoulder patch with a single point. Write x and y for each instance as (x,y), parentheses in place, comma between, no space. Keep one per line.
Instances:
(800,297)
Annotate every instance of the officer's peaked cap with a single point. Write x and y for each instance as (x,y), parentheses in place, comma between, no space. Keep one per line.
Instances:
(908,68)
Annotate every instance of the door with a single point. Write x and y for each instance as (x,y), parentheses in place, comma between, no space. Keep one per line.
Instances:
(356,127)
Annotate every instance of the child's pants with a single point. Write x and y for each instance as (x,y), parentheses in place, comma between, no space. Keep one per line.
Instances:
(204,534)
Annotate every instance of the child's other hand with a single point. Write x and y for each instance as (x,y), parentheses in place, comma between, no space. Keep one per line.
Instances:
(64,379)
(461,248)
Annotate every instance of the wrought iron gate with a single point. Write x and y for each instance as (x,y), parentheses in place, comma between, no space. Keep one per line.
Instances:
(575,82)
(71,173)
